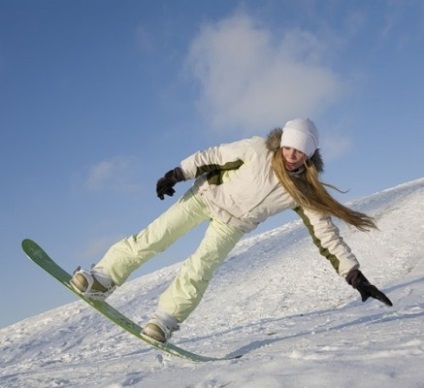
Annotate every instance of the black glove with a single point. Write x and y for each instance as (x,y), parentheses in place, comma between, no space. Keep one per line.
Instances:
(166,183)
(358,281)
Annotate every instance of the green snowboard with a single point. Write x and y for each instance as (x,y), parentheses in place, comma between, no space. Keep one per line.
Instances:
(38,256)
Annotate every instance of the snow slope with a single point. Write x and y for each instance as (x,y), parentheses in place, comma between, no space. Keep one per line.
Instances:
(275,299)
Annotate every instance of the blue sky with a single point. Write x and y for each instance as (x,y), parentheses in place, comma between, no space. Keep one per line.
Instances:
(99,99)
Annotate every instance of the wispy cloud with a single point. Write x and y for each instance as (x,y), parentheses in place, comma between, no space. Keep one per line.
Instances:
(250,78)
(336,146)
(97,248)
(144,39)
(120,174)
(397,15)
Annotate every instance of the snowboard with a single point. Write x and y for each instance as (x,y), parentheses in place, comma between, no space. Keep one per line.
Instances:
(40,257)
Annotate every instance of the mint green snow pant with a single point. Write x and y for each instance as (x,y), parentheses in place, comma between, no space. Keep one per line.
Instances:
(187,289)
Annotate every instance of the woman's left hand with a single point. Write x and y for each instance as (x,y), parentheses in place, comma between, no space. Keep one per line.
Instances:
(358,281)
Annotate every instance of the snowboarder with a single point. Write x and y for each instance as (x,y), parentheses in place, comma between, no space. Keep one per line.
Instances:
(237,186)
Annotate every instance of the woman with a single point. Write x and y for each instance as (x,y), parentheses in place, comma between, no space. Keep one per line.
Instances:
(237,186)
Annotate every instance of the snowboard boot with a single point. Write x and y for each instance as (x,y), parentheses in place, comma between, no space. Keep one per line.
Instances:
(95,285)
(161,326)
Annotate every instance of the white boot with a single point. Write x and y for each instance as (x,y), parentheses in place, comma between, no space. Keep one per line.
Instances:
(161,326)
(96,284)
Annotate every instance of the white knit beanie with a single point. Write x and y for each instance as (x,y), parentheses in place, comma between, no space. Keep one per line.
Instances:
(301,134)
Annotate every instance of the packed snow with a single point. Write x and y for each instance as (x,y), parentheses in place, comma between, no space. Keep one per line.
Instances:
(275,300)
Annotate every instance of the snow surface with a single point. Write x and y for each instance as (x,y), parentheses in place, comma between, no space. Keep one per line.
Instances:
(275,299)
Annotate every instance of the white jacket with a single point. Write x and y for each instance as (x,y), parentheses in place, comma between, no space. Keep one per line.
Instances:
(239,186)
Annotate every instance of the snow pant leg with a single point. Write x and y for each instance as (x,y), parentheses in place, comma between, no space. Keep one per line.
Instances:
(187,289)
(127,255)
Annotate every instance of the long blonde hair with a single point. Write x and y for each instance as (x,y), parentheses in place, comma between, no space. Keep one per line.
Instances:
(309,192)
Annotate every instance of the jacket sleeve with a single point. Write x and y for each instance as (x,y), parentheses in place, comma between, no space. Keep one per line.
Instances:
(224,157)
(326,237)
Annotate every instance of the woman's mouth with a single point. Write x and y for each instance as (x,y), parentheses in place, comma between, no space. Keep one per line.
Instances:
(291,166)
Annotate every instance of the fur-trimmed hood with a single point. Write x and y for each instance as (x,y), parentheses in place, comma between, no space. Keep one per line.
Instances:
(273,142)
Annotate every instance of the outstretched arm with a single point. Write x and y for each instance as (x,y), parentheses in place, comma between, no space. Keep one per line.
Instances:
(325,236)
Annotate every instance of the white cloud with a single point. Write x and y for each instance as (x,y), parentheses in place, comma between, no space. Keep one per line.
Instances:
(336,146)
(250,78)
(118,174)
(97,248)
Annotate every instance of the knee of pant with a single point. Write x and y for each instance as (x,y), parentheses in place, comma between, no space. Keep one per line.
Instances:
(198,272)
(196,277)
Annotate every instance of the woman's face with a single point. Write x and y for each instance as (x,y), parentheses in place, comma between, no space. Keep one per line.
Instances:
(293,158)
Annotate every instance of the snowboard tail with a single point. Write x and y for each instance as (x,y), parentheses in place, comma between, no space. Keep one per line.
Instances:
(40,257)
